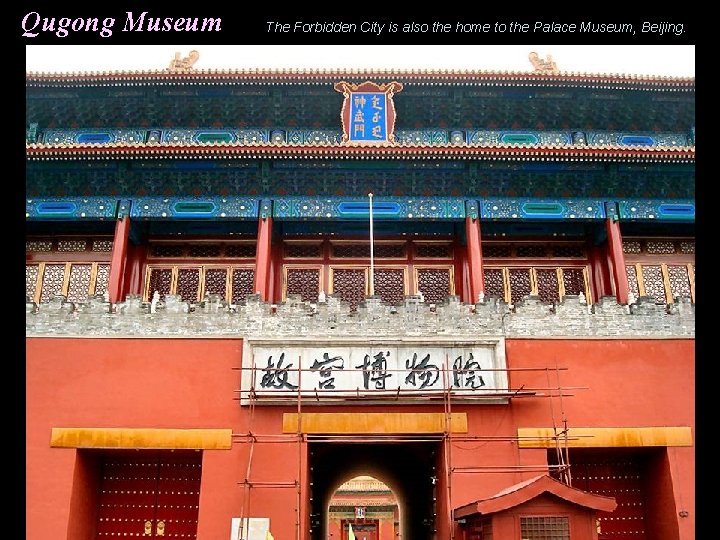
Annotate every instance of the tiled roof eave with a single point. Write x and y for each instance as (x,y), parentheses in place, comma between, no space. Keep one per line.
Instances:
(389,151)
(299,76)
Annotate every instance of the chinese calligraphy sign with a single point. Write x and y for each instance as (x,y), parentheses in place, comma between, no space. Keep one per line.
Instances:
(337,368)
(368,112)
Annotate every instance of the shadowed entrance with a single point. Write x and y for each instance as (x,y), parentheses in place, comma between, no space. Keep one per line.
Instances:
(408,469)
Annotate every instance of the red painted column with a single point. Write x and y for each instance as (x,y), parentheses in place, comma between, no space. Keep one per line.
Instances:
(263,254)
(118,259)
(612,226)
(474,255)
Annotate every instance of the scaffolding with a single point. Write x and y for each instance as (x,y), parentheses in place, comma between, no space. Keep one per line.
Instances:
(250,398)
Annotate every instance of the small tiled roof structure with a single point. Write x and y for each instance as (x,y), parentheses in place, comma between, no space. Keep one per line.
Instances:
(522,492)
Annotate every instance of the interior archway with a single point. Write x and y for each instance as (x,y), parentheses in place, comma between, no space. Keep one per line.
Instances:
(407,468)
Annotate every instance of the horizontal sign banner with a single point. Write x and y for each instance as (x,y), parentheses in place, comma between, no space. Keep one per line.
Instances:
(336,369)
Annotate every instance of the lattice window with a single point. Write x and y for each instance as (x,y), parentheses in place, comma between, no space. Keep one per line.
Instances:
(160,281)
(568,251)
(631,246)
(305,282)
(351,251)
(520,284)
(71,245)
(188,284)
(350,284)
(215,282)
(79,284)
(574,281)
(31,276)
(633,286)
(362,251)
(434,251)
(496,251)
(389,284)
(531,250)
(545,528)
(494,282)
(204,250)
(679,281)
(303,251)
(242,283)
(547,285)
(687,247)
(167,250)
(102,278)
(52,281)
(104,246)
(653,281)
(434,283)
(660,247)
(240,251)
(38,245)
(389,251)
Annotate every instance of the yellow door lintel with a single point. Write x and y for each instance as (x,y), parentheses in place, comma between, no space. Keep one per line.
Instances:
(375,423)
(199,439)
(584,437)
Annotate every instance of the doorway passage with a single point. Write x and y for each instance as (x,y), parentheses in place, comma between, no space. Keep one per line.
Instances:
(408,469)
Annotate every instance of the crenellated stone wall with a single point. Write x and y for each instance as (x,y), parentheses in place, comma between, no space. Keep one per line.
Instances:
(530,318)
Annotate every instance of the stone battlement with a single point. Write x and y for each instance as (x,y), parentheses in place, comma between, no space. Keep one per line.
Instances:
(530,318)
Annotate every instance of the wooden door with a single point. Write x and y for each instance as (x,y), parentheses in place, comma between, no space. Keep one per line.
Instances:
(149,495)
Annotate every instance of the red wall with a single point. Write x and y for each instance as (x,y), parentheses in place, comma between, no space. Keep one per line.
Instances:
(192,383)
(144,383)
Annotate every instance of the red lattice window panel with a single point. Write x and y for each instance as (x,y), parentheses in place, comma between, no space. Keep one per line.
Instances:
(79,283)
(303,281)
(303,250)
(52,281)
(242,283)
(240,251)
(161,281)
(188,284)
(679,281)
(496,251)
(434,250)
(574,281)
(633,286)
(653,282)
(31,275)
(660,247)
(350,284)
(568,251)
(102,278)
(215,282)
(547,284)
(520,284)
(494,282)
(434,283)
(350,251)
(531,251)
(389,284)
(205,250)
(167,250)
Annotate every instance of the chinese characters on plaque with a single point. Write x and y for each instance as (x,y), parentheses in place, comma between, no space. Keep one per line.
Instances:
(368,112)
(335,370)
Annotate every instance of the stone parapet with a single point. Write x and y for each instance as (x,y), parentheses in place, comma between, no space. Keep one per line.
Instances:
(529,318)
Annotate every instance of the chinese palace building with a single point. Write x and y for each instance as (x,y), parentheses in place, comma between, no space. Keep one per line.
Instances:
(343,304)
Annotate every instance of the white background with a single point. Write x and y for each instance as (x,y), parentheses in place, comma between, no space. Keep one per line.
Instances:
(666,60)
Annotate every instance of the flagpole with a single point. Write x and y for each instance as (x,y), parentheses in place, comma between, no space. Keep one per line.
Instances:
(372,250)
